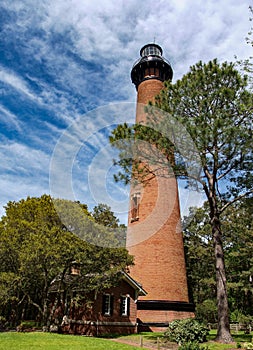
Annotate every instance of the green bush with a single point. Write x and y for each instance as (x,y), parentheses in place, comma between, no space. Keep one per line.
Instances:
(238,316)
(26,325)
(2,322)
(192,346)
(185,331)
(206,312)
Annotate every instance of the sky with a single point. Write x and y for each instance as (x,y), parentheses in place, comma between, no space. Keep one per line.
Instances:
(65,83)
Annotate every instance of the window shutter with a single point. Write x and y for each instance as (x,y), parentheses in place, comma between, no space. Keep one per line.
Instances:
(121,305)
(103,304)
(111,309)
(128,306)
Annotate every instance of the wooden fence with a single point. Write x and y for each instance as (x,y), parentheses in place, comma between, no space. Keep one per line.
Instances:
(235,327)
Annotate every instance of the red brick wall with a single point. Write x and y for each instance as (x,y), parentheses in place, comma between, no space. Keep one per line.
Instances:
(123,289)
(147,90)
(93,322)
(152,316)
(156,243)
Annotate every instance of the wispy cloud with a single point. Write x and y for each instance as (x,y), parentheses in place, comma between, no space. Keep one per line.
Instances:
(62,59)
(16,83)
(23,172)
(9,119)
(23,160)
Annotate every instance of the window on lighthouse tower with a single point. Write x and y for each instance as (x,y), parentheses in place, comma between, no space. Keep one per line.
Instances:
(135,204)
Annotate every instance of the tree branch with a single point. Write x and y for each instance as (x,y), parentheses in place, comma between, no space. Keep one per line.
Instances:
(235,200)
(34,304)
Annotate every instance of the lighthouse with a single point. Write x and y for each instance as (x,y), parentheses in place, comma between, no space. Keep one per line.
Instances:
(154,235)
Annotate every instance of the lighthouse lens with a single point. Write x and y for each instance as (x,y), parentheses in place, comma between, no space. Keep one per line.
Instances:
(151,50)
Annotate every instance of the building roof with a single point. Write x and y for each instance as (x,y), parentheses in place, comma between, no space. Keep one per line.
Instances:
(70,280)
(136,285)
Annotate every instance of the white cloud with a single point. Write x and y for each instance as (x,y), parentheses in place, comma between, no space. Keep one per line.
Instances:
(15,188)
(9,119)
(85,50)
(16,82)
(24,172)
(23,161)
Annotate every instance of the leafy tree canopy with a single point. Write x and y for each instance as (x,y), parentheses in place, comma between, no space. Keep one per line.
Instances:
(104,216)
(36,246)
(237,228)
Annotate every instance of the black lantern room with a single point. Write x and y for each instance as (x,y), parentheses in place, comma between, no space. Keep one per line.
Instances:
(151,65)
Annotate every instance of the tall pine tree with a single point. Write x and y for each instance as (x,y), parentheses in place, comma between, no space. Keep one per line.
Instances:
(213,104)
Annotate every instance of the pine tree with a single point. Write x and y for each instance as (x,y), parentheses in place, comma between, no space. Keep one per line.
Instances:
(213,105)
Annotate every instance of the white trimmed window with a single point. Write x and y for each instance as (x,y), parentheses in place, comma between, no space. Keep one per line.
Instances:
(125,305)
(107,304)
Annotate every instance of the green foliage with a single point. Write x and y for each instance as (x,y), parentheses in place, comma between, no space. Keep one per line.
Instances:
(214,106)
(213,103)
(237,316)
(37,246)
(104,216)
(237,227)
(185,331)
(206,311)
(97,228)
(194,345)
(28,325)
(199,257)
(2,322)
(246,65)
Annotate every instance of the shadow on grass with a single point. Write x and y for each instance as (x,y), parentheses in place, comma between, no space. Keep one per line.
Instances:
(237,336)
(149,338)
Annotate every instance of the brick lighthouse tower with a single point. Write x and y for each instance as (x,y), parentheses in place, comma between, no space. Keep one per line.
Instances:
(154,234)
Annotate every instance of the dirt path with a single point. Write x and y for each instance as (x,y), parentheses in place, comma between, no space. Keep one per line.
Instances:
(147,344)
(136,343)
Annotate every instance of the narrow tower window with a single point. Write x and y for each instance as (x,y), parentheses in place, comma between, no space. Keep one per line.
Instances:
(135,203)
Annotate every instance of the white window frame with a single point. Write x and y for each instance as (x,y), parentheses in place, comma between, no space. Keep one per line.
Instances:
(107,305)
(124,307)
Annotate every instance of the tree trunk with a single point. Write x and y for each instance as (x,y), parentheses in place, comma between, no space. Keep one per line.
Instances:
(223,331)
(45,314)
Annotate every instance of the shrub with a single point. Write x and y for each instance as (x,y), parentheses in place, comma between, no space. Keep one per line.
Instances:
(185,331)
(206,312)
(27,325)
(2,322)
(238,316)
(192,346)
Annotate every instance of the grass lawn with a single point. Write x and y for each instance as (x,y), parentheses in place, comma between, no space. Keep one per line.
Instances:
(149,338)
(47,341)
(239,338)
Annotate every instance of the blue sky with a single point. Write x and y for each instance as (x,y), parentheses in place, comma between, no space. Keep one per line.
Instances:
(65,72)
